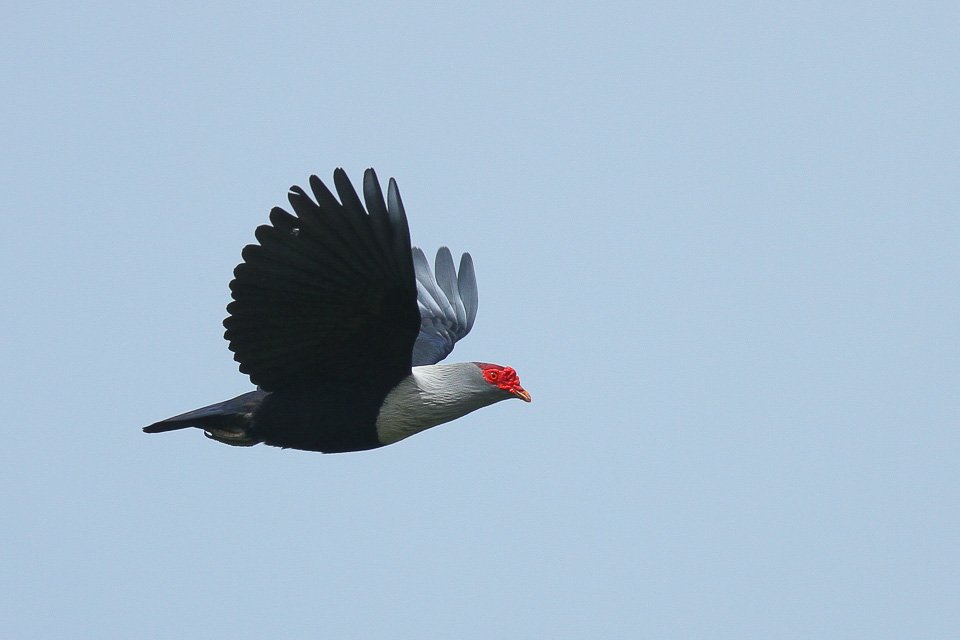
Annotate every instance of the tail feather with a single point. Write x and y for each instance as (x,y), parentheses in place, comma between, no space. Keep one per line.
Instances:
(168,425)
(228,419)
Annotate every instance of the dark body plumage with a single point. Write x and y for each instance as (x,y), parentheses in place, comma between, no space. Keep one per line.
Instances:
(289,418)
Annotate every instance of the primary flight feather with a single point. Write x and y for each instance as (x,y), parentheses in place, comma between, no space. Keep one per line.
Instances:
(341,323)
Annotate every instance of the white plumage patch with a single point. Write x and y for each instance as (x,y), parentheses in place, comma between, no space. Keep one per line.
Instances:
(432,395)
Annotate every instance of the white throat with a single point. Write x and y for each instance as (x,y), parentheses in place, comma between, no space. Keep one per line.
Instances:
(430,395)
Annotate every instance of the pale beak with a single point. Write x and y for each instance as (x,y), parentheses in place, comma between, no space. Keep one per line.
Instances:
(521,393)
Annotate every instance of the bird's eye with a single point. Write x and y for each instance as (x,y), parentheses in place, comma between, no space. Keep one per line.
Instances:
(494,375)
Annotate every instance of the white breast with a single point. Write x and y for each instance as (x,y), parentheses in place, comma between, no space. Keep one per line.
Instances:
(430,395)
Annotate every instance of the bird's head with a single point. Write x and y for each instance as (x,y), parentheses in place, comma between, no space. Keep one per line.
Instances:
(505,379)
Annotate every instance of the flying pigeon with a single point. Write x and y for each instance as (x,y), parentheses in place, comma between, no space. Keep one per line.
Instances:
(340,324)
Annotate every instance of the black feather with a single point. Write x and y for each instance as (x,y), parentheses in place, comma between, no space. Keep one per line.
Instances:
(333,301)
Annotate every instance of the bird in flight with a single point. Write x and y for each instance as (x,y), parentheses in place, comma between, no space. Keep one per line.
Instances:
(341,324)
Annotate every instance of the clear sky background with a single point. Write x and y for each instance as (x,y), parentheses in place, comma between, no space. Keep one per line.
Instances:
(718,241)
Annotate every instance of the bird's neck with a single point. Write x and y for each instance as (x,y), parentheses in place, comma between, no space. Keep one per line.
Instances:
(430,395)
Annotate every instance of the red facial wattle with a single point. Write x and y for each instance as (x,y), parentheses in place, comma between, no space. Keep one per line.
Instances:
(506,378)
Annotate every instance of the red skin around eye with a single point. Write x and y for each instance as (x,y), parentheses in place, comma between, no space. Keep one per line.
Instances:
(505,378)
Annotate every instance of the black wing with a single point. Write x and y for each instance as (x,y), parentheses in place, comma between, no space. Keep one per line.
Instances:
(328,294)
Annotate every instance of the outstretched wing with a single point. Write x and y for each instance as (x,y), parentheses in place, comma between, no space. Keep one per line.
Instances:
(328,293)
(448,304)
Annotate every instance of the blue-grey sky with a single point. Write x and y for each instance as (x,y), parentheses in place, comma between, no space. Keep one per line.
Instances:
(718,241)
